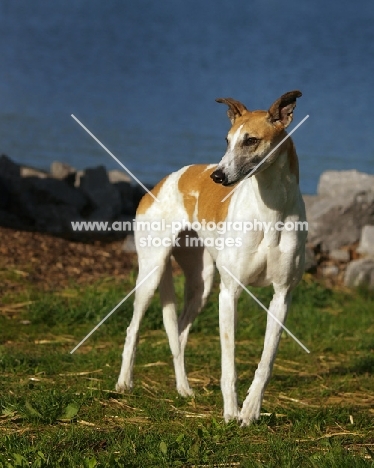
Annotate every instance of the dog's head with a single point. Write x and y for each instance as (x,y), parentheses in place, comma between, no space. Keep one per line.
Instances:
(252,137)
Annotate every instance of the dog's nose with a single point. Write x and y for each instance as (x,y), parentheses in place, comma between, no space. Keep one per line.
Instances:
(218,176)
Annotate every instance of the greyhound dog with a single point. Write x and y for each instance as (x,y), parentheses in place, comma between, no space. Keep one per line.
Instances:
(199,196)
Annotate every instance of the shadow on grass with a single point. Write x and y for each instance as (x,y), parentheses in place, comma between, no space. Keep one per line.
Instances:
(362,365)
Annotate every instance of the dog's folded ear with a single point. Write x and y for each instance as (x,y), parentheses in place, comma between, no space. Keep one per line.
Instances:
(282,109)
(235,110)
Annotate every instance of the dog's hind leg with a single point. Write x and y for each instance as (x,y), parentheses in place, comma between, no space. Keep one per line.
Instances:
(143,295)
(198,269)
(169,312)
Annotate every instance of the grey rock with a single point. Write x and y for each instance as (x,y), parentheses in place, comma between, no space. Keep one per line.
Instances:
(339,224)
(344,204)
(344,185)
(129,244)
(340,255)
(330,270)
(315,210)
(118,176)
(366,245)
(309,201)
(310,259)
(27,171)
(360,273)
(62,171)
(104,197)
(77,178)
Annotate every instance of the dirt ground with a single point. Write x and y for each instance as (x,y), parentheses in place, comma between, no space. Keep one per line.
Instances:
(52,263)
(47,262)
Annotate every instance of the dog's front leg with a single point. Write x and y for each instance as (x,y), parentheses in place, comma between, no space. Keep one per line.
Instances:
(252,404)
(227,324)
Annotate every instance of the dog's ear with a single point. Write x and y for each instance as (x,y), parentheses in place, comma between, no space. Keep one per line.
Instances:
(235,110)
(282,109)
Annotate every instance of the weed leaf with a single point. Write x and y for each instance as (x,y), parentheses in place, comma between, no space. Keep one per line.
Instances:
(163,448)
(32,411)
(70,412)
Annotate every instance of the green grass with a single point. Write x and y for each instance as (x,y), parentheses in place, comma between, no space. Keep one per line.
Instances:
(59,409)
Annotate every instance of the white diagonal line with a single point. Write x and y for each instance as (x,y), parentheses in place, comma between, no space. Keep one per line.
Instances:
(116,159)
(265,158)
(268,311)
(110,313)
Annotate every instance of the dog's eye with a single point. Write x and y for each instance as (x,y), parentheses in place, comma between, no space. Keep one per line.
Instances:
(250,141)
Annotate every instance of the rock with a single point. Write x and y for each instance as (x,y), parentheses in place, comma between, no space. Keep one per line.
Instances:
(27,171)
(138,193)
(340,225)
(309,201)
(310,260)
(340,255)
(126,190)
(104,197)
(31,199)
(344,185)
(344,204)
(8,168)
(63,171)
(118,176)
(55,219)
(330,270)
(45,191)
(129,244)
(10,181)
(366,245)
(315,209)
(77,179)
(11,220)
(48,205)
(360,273)
(124,224)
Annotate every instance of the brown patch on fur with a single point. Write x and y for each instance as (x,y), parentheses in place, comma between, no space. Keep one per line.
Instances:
(197,187)
(256,123)
(147,201)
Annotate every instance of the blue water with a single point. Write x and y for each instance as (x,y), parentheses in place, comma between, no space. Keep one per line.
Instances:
(143,77)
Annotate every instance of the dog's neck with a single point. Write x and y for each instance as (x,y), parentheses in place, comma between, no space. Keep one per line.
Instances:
(277,185)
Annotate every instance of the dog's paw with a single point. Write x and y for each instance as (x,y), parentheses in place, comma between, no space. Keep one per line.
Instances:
(232,416)
(122,387)
(249,413)
(185,391)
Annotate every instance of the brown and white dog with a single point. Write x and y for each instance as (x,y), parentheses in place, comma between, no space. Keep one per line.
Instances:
(255,258)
